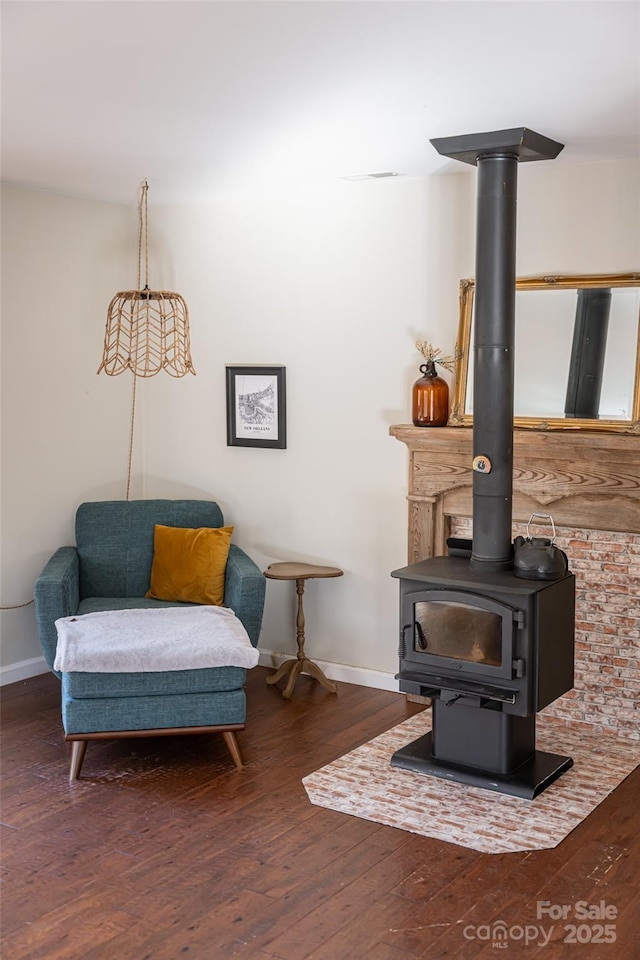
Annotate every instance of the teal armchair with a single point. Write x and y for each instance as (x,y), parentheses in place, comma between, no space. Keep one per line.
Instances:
(110,569)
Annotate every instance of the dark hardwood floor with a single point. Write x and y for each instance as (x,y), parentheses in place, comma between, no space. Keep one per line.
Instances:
(163,850)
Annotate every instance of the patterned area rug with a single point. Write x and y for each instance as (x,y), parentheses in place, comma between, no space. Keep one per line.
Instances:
(363,784)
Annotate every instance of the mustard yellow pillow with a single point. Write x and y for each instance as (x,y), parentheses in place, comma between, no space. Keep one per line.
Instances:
(190,564)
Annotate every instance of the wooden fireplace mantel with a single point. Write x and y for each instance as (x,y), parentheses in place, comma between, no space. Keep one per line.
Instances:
(583,479)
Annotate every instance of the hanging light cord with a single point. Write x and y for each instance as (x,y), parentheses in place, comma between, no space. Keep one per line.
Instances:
(131,431)
(143,228)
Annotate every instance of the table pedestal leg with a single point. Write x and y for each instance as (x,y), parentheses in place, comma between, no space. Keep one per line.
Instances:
(301,664)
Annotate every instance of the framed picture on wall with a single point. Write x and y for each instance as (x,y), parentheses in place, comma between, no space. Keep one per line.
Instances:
(256,407)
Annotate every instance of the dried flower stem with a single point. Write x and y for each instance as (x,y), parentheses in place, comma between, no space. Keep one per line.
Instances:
(429,352)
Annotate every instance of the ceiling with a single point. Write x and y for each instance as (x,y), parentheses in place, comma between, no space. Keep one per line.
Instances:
(202,96)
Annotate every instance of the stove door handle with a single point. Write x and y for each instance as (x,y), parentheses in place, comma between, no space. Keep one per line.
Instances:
(422,640)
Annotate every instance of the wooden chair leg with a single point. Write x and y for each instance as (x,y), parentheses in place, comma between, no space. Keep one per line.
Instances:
(234,747)
(78,750)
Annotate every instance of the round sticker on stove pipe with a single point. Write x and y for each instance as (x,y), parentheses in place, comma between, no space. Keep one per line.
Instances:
(482,464)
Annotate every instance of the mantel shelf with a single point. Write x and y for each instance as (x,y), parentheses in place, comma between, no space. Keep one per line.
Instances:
(587,479)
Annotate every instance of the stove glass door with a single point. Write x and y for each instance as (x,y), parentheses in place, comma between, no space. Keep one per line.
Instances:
(458,632)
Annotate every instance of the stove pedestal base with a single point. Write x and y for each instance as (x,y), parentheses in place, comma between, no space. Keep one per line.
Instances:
(528,780)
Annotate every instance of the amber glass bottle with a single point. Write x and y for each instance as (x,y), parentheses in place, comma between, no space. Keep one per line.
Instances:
(430,398)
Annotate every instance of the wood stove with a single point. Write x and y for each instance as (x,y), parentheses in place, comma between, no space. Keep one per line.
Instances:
(490,650)
(489,646)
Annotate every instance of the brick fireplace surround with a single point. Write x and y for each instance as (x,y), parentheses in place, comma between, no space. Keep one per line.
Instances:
(590,483)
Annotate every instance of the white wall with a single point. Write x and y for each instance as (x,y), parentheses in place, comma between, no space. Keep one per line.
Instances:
(578,218)
(62,426)
(572,219)
(336,283)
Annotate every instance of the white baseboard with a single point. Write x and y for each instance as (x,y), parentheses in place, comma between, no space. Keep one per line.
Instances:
(338,671)
(15,672)
(268,658)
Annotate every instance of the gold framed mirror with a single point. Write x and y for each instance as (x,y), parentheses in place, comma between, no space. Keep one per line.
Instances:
(556,326)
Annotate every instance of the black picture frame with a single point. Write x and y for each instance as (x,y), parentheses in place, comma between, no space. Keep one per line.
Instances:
(256,406)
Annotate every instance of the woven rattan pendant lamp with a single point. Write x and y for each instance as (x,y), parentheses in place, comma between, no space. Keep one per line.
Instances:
(147,330)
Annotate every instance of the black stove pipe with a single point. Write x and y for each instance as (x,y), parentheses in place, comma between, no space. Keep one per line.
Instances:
(496,156)
(494,324)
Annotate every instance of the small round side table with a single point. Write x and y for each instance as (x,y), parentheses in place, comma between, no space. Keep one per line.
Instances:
(300,572)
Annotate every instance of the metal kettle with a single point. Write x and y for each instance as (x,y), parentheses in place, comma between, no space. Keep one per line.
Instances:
(538,558)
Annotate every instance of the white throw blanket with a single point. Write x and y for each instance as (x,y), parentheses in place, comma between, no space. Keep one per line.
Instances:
(154,639)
